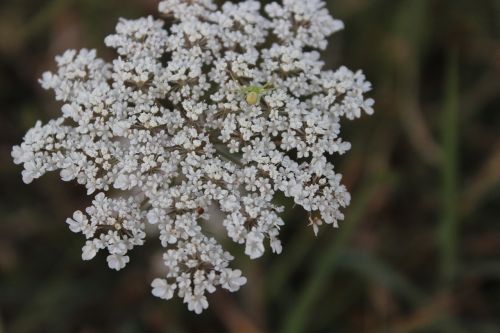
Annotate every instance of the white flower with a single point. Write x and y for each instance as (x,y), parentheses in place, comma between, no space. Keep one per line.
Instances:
(208,115)
(78,221)
(230,204)
(116,261)
(20,155)
(162,289)
(121,182)
(120,128)
(254,244)
(89,250)
(232,279)
(315,223)
(152,217)
(196,302)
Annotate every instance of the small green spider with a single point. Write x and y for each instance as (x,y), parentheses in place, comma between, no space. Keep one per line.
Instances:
(253,93)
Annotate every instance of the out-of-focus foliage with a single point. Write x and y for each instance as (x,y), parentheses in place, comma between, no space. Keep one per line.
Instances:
(419,251)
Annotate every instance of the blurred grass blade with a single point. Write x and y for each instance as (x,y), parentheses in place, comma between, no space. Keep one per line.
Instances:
(376,270)
(483,270)
(281,271)
(411,40)
(44,17)
(298,316)
(448,230)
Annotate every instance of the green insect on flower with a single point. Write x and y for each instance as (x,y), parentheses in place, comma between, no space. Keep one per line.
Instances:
(254,93)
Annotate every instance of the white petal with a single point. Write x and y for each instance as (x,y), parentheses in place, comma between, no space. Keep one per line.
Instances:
(116,261)
(89,250)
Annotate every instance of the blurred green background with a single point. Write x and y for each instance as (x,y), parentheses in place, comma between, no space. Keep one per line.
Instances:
(418,252)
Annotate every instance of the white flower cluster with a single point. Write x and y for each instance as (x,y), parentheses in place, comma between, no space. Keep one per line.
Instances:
(216,114)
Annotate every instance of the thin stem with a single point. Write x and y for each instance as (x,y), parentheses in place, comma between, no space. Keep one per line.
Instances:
(448,230)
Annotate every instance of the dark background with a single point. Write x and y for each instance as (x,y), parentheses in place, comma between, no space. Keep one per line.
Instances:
(418,252)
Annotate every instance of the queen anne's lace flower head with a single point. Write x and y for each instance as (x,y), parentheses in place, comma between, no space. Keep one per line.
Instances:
(212,116)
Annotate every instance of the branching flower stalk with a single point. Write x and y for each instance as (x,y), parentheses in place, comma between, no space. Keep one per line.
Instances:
(207,112)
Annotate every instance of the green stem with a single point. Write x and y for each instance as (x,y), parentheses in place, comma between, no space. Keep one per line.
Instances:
(448,230)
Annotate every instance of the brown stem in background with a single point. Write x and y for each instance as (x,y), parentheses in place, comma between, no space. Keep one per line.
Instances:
(231,315)
(487,178)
